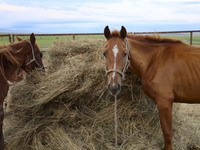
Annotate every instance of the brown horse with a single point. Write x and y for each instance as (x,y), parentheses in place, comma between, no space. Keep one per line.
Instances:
(24,55)
(169,71)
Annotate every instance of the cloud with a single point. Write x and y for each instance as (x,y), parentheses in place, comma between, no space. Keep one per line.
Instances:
(83,13)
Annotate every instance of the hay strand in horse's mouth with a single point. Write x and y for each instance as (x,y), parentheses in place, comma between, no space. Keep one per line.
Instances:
(116,123)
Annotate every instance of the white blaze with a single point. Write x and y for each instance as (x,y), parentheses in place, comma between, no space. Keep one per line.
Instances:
(115,51)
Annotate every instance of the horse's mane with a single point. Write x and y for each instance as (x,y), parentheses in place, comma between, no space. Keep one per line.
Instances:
(153,39)
(6,55)
(115,33)
(147,38)
(6,58)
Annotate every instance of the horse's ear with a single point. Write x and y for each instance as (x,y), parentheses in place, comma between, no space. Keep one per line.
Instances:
(19,39)
(32,39)
(107,33)
(123,32)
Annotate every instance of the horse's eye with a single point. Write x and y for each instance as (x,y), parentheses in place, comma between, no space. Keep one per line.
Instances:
(125,54)
(41,55)
(105,54)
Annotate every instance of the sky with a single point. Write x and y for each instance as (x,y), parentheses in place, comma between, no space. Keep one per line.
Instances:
(91,16)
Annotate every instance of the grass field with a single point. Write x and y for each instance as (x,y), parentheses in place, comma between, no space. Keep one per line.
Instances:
(47,41)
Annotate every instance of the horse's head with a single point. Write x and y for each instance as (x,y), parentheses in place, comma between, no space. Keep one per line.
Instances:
(116,54)
(33,57)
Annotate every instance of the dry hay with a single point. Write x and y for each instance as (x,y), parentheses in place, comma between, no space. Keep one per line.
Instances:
(70,109)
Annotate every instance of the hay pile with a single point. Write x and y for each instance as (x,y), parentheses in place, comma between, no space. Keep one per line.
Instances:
(70,108)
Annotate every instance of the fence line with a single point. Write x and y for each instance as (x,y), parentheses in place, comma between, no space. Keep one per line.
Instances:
(8,35)
(77,34)
(167,32)
(68,34)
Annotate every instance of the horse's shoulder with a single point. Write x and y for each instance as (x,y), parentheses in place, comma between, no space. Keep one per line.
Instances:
(160,59)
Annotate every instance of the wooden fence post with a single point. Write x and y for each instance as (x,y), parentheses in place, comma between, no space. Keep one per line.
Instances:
(73,37)
(191,38)
(13,38)
(10,38)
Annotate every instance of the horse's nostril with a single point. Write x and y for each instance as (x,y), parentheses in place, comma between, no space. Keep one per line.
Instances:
(109,88)
(114,89)
(119,87)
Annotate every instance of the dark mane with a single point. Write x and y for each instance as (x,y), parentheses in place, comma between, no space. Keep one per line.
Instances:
(153,39)
(7,55)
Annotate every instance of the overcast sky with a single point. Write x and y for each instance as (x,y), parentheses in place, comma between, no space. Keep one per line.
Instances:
(91,16)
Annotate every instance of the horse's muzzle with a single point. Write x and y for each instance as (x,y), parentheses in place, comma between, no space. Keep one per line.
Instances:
(114,89)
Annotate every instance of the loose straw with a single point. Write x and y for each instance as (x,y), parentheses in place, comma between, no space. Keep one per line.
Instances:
(116,127)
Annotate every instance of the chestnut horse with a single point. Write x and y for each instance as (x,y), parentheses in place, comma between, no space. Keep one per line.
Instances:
(24,55)
(169,71)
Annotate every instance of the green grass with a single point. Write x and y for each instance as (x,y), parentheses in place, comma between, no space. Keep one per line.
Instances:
(4,40)
(47,41)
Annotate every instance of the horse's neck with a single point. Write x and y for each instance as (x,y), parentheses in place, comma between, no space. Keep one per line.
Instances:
(141,54)
(11,72)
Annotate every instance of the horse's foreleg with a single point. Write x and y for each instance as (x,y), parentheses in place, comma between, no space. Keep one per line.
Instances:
(165,113)
(1,130)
